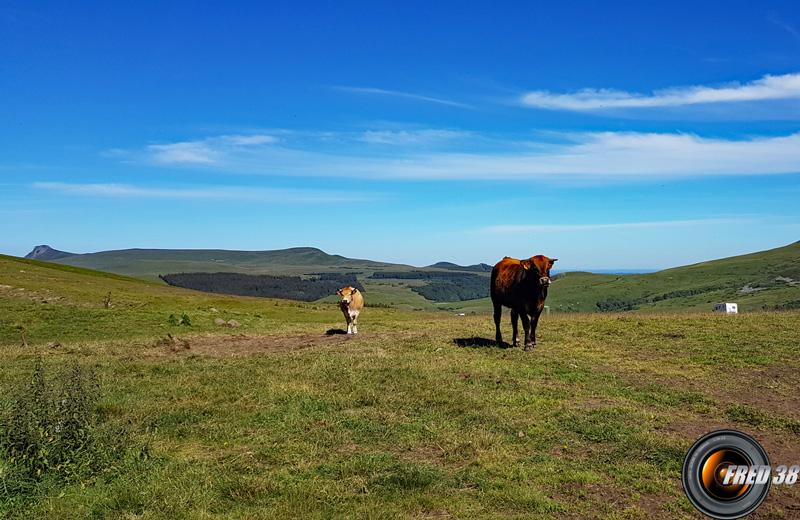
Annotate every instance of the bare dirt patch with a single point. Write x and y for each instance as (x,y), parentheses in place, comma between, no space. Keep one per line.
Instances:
(241,345)
(773,389)
(613,499)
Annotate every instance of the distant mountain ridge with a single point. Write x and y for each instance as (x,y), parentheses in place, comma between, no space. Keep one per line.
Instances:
(763,280)
(45,252)
(150,263)
(478,268)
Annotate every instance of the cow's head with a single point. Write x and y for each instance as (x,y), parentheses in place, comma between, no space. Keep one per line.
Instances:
(346,294)
(539,266)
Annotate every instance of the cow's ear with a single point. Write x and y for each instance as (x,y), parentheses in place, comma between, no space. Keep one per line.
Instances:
(553,260)
(339,292)
(526,264)
(355,290)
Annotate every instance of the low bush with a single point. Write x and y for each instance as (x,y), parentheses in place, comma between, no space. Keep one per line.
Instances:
(53,430)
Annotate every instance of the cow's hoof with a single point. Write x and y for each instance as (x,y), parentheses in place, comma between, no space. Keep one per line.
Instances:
(515,344)
(529,347)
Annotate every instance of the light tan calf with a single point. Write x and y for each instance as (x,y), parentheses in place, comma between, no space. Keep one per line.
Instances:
(351,304)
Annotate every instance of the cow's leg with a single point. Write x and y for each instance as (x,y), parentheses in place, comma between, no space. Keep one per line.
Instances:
(349,321)
(534,324)
(346,319)
(498,314)
(526,327)
(514,324)
(355,323)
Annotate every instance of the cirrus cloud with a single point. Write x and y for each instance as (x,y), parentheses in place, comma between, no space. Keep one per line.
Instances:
(785,86)
(566,228)
(234,193)
(590,156)
(205,151)
(406,95)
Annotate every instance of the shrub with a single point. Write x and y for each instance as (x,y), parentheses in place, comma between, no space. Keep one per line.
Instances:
(183,320)
(793,304)
(616,305)
(53,429)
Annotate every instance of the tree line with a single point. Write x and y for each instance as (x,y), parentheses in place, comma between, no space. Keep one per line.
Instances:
(264,285)
(425,275)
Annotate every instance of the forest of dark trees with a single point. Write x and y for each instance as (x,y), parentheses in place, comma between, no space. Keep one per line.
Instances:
(264,285)
(425,275)
(463,288)
(440,286)
(443,286)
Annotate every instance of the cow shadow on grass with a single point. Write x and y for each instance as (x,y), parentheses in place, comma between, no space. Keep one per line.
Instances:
(478,342)
(334,332)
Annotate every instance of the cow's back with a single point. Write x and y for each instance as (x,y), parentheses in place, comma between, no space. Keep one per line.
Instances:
(357,301)
(505,276)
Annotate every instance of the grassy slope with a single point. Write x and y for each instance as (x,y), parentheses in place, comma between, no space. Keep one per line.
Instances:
(52,301)
(723,278)
(720,280)
(149,263)
(398,421)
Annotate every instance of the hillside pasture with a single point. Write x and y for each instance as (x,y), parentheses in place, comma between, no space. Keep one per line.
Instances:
(766,280)
(419,415)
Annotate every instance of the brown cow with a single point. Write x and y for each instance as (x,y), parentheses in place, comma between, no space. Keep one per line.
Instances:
(520,285)
(351,304)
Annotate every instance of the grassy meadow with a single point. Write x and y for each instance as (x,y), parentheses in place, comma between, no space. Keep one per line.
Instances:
(420,415)
(765,280)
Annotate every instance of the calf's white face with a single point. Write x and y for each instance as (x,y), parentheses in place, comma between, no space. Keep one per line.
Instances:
(346,295)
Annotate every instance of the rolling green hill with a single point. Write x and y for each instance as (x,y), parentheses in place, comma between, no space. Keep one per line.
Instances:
(767,280)
(478,268)
(764,280)
(419,415)
(52,301)
(149,263)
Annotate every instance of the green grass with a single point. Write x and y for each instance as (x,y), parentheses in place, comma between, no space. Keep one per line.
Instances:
(149,263)
(714,281)
(770,279)
(398,421)
(774,274)
(54,302)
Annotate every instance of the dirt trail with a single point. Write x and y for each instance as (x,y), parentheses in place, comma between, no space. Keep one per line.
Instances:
(241,345)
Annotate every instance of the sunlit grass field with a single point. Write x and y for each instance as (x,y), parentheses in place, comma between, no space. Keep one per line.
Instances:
(418,416)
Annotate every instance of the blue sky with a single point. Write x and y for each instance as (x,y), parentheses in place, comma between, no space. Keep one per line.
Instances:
(612,137)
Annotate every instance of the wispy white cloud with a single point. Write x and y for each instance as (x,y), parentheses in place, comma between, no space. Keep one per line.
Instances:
(205,151)
(406,95)
(773,18)
(234,193)
(412,137)
(183,153)
(248,140)
(566,228)
(785,86)
(599,156)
